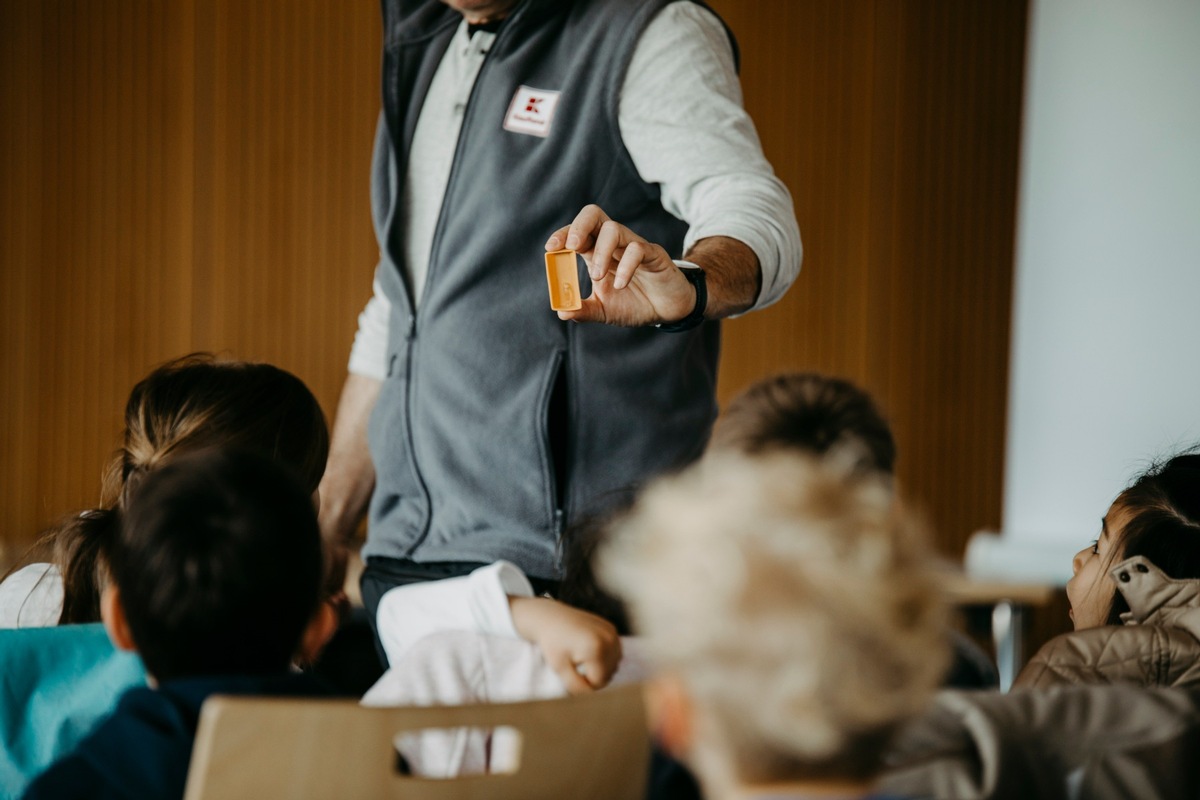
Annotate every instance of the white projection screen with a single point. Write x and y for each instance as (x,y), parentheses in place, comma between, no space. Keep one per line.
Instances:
(1105,362)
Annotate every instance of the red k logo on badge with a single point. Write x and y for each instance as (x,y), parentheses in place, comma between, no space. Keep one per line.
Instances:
(531,111)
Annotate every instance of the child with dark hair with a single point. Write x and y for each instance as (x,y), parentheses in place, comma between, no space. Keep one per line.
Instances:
(810,413)
(580,588)
(1135,594)
(192,403)
(794,617)
(214,577)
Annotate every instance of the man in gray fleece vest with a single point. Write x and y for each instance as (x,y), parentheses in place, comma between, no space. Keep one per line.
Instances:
(493,422)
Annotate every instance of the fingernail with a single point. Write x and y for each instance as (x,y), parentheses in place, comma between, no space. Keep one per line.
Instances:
(552,244)
(572,242)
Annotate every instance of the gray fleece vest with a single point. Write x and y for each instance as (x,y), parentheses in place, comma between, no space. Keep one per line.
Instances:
(498,424)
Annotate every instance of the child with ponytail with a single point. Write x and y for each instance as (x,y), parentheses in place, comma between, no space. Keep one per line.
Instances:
(187,405)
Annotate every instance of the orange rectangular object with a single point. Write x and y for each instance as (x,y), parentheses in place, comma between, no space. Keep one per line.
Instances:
(562,276)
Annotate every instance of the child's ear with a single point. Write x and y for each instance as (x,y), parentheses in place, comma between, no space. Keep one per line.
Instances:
(113,615)
(671,716)
(318,633)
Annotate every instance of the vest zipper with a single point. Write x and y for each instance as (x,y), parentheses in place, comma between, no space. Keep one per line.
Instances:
(555,422)
(410,337)
(468,113)
(563,490)
(434,247)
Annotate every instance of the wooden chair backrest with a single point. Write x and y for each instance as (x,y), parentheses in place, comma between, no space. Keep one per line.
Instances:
(582,747)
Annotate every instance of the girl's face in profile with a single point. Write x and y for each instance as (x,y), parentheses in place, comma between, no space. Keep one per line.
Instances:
(1091,590)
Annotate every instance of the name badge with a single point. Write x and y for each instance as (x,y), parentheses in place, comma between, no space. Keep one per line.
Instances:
(531,111)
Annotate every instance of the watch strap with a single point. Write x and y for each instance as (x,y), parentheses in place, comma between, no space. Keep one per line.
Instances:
(695,276)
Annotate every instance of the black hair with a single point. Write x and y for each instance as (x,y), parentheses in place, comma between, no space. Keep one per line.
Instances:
(579,587)
(808,412)
(196,402)
(217,559)
(186,405)
(1162,522)
(80,543)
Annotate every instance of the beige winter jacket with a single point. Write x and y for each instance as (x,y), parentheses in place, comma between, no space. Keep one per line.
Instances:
(1159,644)
(1065,743)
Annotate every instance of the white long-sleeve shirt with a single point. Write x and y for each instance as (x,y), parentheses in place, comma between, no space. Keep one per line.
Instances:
(682,121)
(453,642)
(476,602)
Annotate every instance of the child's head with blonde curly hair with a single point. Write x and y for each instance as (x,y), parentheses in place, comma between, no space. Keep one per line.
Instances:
(792,605)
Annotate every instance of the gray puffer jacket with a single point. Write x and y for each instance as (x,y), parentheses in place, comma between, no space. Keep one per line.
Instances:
(1159,644)
(1064,743)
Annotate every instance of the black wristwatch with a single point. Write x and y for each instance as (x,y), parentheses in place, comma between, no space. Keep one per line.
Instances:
(695,276)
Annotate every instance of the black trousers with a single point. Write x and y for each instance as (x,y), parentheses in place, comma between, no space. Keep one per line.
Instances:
(381,574)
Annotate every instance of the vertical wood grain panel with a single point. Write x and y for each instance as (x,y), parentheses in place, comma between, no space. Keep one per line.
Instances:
(896,125)
(282,165)
(173,177)
(21,151)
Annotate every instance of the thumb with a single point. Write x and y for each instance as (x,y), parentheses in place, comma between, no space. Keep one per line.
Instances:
(595,671)
(592,310)
(572,680)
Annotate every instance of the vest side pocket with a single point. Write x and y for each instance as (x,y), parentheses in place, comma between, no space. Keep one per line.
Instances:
(553,418)
(399,506)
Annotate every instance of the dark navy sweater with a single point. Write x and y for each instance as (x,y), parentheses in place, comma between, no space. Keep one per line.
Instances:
(142,751)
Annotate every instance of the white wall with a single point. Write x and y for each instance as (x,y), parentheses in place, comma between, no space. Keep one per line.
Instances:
(1106,324)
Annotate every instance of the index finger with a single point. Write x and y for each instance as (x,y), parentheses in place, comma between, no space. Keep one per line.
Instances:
(582,232)
(558,239)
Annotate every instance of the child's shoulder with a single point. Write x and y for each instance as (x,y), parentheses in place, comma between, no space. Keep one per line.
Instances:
(141,750)
(31,597)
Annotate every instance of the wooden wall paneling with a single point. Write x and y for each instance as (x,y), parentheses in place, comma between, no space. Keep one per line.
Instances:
(80,93)
(109,299)
(805,68)
(286,250)
(20,162)
(957,160)
(176,176)
(885,202)
(896,125)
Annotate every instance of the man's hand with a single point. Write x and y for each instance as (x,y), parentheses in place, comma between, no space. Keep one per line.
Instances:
(634,282)
(349,476)
(583,649)
(333,584)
